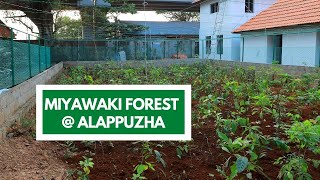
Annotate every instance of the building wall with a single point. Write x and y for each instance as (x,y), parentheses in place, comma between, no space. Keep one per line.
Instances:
(233,16)
(300,49)
(14,102)
(255,49)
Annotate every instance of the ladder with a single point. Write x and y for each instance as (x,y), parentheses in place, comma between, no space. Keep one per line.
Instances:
(218,26)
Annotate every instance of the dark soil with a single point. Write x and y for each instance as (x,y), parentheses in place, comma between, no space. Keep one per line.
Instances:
(118,162)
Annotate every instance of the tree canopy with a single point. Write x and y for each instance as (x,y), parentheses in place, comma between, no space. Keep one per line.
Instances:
(180,15)
(67,28)
(41,13)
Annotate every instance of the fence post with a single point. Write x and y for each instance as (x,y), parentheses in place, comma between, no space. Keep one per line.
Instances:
(45,54)
(177,49)
(12,57)
(191,47)
(164,49)
(39,41)
(29,56)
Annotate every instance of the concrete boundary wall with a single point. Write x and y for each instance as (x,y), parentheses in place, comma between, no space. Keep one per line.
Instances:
(18,100)
(292,70)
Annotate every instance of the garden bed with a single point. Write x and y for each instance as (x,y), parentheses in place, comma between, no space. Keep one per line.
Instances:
(240,117)
(245,124)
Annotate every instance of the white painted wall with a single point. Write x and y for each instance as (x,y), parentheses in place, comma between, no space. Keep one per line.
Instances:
(300,49)
(234,16)
(255,49)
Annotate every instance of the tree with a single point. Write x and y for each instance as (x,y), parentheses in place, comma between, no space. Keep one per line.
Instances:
(40,12)
(180,16)
(67,28)
(97,19)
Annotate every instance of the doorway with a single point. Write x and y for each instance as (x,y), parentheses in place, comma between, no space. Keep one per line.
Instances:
(277,50)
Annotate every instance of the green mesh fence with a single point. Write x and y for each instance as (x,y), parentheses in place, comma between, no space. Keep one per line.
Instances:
(22,59)
(5,64)
(134,49)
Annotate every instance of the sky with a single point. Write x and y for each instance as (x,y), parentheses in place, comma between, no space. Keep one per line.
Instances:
(140,16)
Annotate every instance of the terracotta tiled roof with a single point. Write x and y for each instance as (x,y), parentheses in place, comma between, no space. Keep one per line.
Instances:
(284,13)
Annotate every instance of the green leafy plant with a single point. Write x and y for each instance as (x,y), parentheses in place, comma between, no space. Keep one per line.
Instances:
(86,164)
(294,167)
(245,150)
(70,149)
(263,102)
(209,105)
(181,150)
(144,165)
(159,158)
(306,134)
(230,126)
(140,168)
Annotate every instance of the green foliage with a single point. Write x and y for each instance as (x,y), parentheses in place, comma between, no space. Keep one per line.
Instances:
(306,134)
(228,98)
(159,158)
(180,15)
(263,102)
(98,20)
(140,169)
(312,96)
(281,144)
(181,150)
(241,163)
(245,149)
(209,105)
(86,164)
(67,28)
(87,143)
(231,126)
(295,167)
(144,165)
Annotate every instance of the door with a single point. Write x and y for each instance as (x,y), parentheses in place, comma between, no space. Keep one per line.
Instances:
(277,52)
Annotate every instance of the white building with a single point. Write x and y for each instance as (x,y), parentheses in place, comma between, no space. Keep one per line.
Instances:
(287,32)
(218,18)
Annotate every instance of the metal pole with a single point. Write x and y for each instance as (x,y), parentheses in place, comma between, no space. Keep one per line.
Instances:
(164,49)
(45,54)
(177,49)
(78,50)
(191,47)
(39,41)
(242,49)
(135,49)
(12,57)
(29,54)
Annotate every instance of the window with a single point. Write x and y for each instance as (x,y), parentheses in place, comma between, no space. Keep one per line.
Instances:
(219,44)
(249,6)
(208,44)
(214,8)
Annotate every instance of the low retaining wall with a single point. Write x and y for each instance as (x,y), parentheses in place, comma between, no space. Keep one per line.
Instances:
(293,70)
(17,101)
